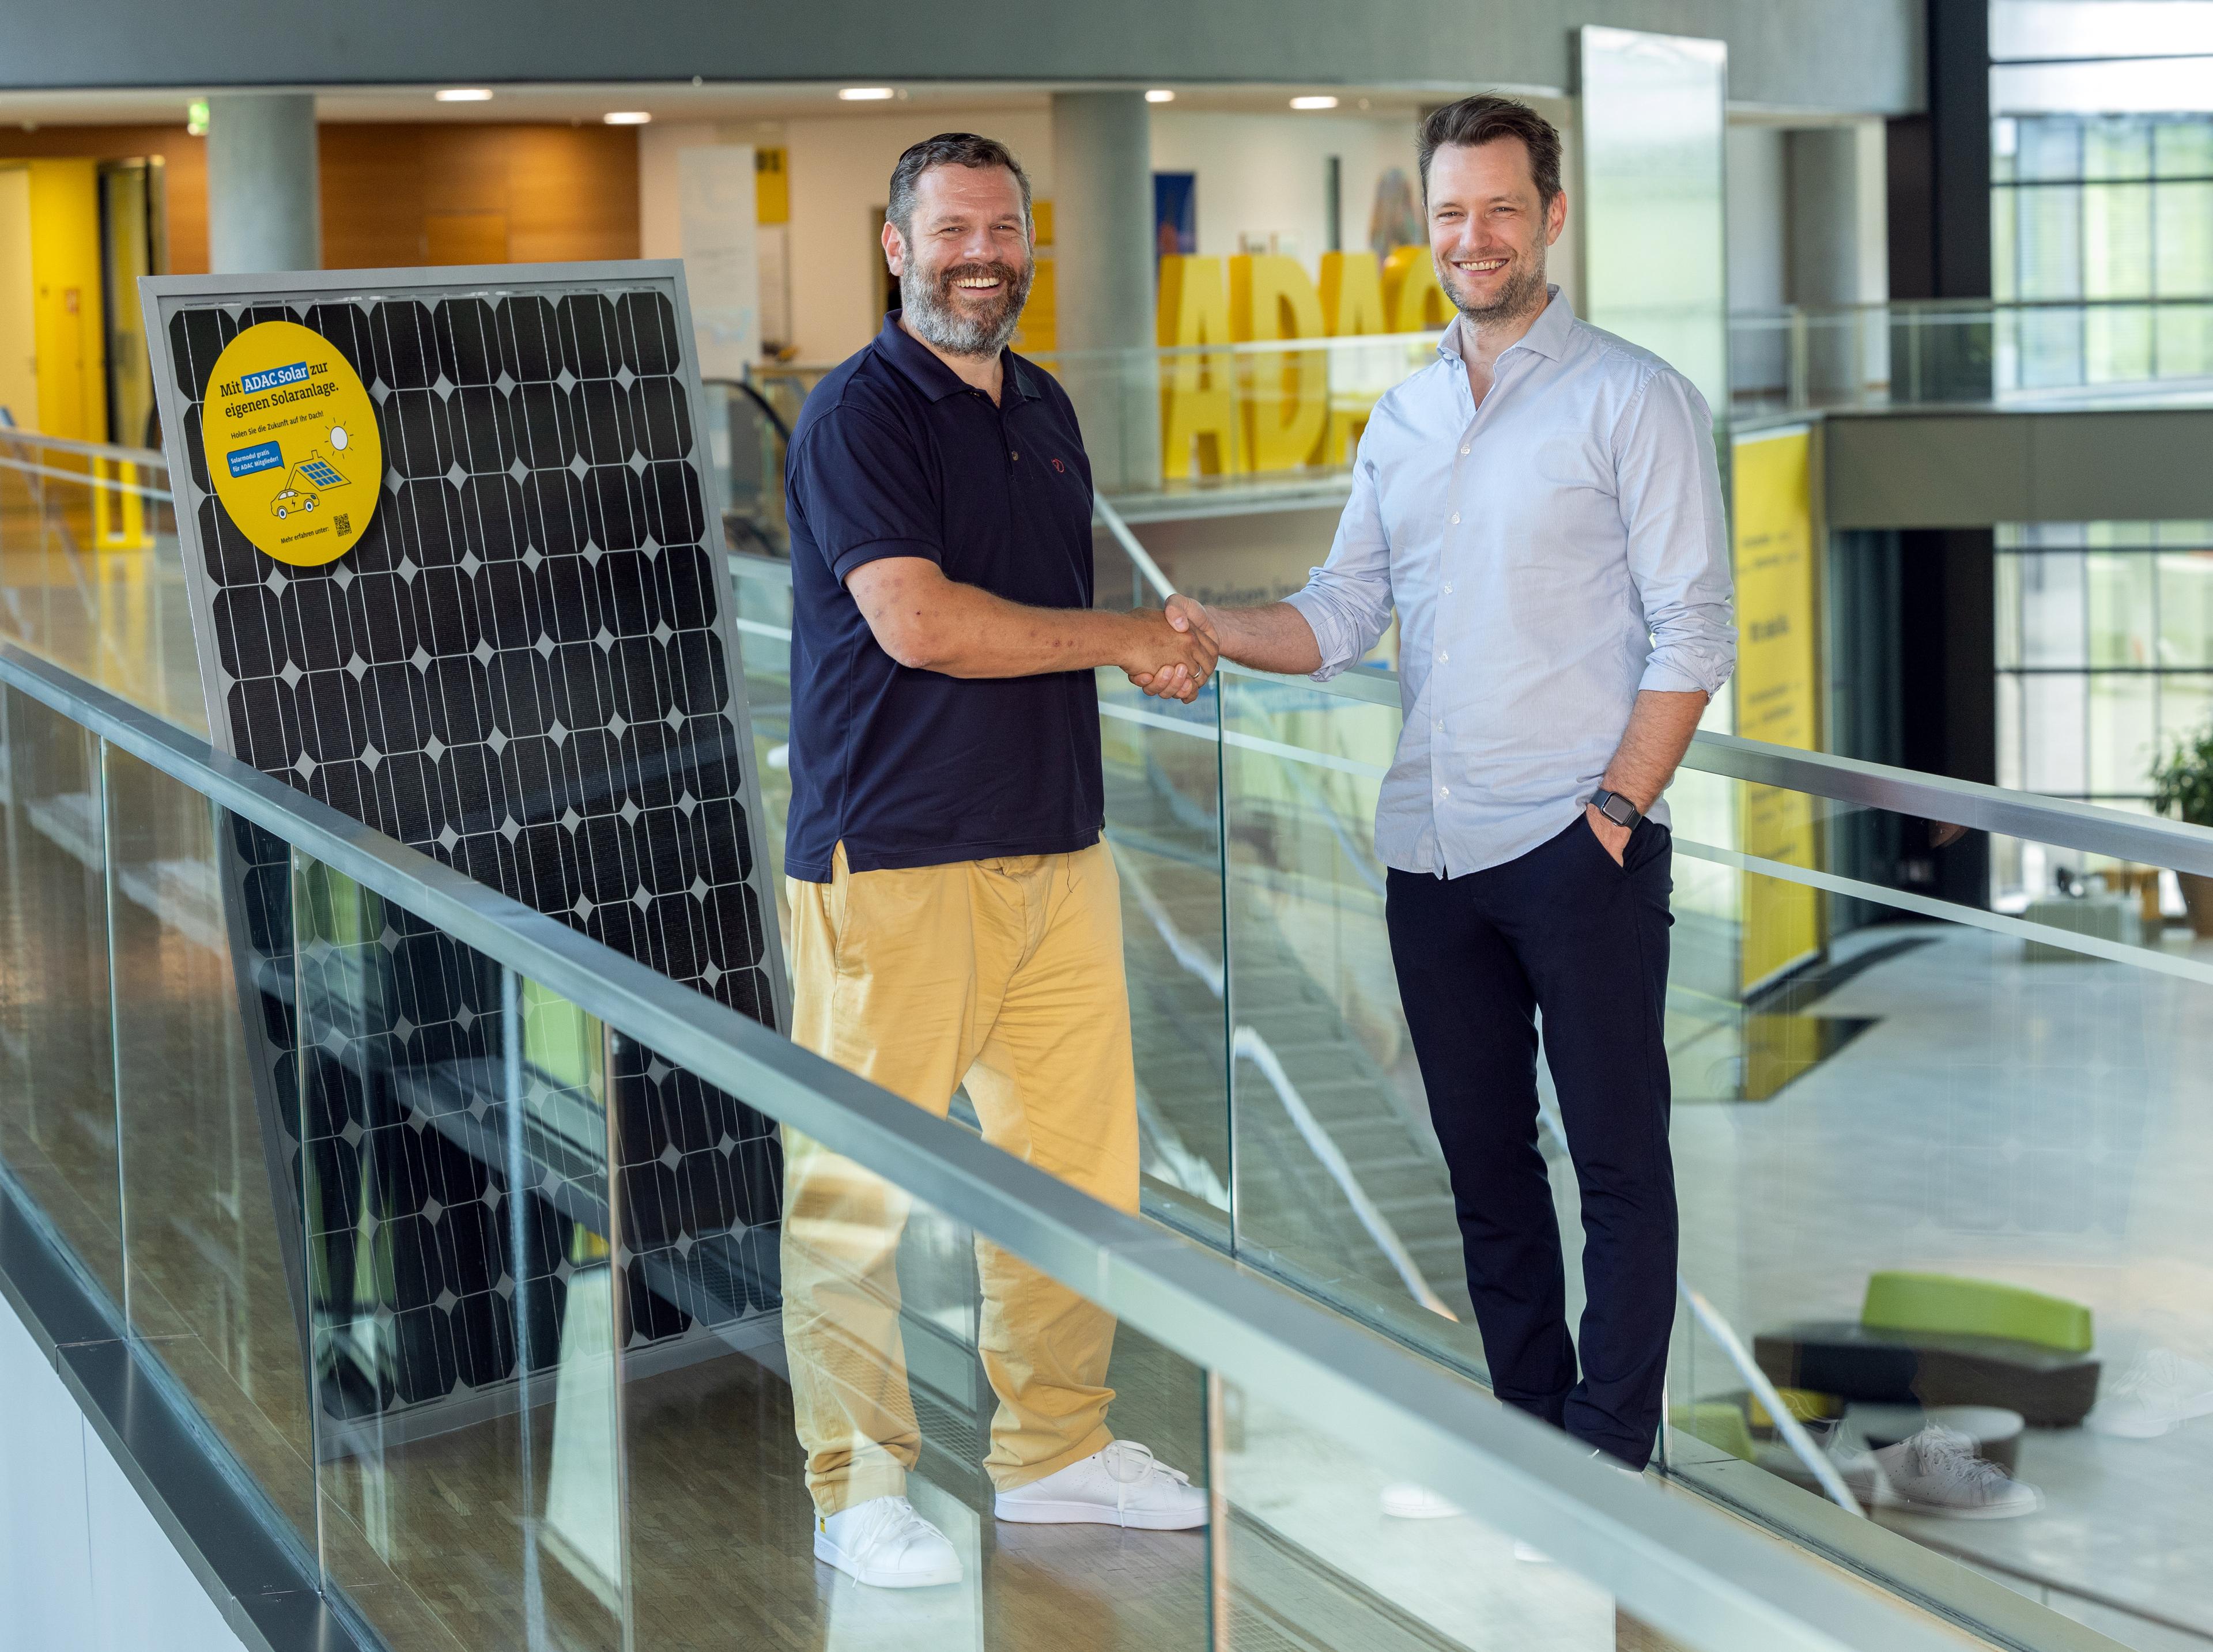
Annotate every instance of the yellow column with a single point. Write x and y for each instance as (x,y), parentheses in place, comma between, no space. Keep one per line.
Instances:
(1286,394)
(1197,425)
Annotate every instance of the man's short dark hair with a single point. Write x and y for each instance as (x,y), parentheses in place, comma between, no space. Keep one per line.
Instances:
(1480,119)
(948,150)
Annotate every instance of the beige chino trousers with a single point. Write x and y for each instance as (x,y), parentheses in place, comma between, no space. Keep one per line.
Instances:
(1006,973)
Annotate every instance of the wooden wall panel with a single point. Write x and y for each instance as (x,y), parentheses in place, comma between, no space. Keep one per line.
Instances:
(572,193)
(563,193)
(372,185)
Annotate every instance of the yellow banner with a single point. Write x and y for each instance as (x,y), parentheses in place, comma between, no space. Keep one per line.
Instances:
(1777,686)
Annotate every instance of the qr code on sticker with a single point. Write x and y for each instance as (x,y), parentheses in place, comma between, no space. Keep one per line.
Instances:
(343,522)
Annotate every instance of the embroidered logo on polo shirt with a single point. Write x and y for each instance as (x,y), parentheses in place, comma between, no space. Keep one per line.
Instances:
(1061,468)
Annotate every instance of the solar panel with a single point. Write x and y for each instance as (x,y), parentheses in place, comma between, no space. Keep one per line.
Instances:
(525,666)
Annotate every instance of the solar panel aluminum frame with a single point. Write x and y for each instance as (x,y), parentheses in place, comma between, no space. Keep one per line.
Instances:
(161,298)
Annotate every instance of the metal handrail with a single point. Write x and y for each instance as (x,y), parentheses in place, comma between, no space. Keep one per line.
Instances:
(145,456)
(1690,1569)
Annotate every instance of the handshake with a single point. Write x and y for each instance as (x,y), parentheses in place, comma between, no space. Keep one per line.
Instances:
(1172,651)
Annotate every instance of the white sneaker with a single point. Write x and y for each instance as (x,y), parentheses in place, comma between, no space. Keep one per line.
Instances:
(884,1544)
(1123,1486)
(2160,1392)
(1406,1500)
(1937,1472)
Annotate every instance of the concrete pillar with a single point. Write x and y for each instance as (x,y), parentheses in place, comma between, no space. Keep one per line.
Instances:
(1102,210)
(265,209)
(1838,252)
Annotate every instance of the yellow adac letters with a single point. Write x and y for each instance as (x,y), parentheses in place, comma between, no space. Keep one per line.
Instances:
(291,443)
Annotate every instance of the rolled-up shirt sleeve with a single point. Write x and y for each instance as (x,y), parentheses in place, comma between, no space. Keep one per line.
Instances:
(1670,491)
(1347,601)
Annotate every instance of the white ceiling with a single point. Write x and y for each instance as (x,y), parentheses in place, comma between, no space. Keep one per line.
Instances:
(664,101)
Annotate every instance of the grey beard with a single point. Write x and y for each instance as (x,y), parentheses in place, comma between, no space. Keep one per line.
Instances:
(926,311)
(1524,293)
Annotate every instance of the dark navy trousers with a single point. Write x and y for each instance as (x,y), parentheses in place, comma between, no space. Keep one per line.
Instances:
(1565,931)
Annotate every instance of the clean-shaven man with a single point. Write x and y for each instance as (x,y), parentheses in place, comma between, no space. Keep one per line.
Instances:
(954,914)
(1542,507)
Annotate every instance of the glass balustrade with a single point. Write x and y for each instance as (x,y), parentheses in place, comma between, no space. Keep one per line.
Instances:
(238,1083)
(90,571)
(1956,1144)
(463,1240)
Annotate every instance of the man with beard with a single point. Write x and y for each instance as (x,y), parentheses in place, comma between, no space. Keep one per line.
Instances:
(954,914)
(1542,506)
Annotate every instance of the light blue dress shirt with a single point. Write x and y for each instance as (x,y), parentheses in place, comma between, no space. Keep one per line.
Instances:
(1549,553)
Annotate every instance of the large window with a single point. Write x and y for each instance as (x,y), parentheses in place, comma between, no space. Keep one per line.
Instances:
(2112,208)
(2105,653)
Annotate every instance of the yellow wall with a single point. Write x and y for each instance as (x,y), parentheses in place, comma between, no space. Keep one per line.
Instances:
(66,304)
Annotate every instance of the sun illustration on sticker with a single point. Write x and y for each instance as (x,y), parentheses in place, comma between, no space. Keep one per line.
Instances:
(339,436)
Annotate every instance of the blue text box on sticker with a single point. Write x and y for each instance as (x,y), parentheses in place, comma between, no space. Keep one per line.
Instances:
(261,456)
(272,378)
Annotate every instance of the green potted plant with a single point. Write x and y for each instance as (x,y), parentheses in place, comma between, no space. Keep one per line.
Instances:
(2182,785)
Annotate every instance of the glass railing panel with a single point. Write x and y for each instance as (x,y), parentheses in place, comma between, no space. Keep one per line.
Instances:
(746,438)
(1961,1140)
(898,1327)
(861,1364)
(1259,415)
(57,1133)
(1867,1082)
(1905,354)
(1163,826)
(455,1217)
(1322,1535)
(207,1100)
(762,606)
(89,573)
(1340,1182)
(1160,768)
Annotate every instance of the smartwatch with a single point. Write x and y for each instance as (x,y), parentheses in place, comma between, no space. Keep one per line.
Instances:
(1616,808)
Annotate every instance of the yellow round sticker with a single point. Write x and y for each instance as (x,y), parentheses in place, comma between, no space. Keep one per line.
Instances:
(291,443)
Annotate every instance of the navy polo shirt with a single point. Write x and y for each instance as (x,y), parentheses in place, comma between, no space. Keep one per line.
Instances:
(894,456)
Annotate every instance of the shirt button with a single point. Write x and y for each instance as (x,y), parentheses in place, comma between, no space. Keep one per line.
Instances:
(1443,657)
(1447,588)
(1463,452)
(1456,515)
(1012,454)
(1444,791)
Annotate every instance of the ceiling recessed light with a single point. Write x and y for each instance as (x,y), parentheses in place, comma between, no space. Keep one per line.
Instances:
(465,94)
(1314,103)
(627,117)
(1159,95)
(865,93)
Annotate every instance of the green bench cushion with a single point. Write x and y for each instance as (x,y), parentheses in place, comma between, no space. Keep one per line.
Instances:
(1946,1305)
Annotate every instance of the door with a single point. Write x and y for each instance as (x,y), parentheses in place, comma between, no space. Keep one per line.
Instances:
(19,351)
(130,245)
